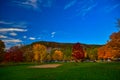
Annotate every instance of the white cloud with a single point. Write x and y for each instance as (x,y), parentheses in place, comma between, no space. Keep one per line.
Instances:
(19,27)
(29,3)
(34,4)
(12,29)
(2,36)
(14,24)
(32,38)
(24,37)
(13,34)
(13,41)
(70,4)
(6,23)
(53,34)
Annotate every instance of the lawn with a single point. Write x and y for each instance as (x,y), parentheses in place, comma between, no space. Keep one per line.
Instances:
(68,71)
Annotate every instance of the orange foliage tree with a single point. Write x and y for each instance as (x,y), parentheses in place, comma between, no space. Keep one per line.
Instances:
(39,52)
(57,55)
(112,49)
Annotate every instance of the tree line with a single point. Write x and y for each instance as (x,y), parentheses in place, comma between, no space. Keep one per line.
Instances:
(40,53)
(47,52)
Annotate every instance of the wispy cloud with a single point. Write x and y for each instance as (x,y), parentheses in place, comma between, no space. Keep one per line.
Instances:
(20,25)
(13,34)
(71,3)
(32,38)
(81,7)
(28,3)
(86,9)
(2,36)
(14,24)
(53,34)
(12,29)
(13,41)
(5,22)
(111,8)
(34,4)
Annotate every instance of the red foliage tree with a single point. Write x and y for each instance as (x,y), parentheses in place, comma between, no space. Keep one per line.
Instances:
(14,54)
(77,52)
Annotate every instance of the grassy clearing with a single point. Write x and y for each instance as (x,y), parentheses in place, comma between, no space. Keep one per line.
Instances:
(68,71)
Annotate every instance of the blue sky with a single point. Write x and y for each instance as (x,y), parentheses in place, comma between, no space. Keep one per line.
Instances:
(84,21)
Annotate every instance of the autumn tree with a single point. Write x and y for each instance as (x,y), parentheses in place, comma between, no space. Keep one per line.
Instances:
(2,50)
(57,55)
(14,54)
(28,54)
(77,52)
(114,45)
(101,52)
(112,49)
(39,52)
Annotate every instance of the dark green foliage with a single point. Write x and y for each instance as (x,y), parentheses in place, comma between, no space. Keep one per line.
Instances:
(54,44)
(2,50)
(63,45)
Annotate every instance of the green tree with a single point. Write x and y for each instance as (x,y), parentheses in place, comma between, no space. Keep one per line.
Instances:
(92,53)
(2,50)
(67,53)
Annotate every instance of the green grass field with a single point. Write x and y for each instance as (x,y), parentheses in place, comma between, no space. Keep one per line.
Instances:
(68,71)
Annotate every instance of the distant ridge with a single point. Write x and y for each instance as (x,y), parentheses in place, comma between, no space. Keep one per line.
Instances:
(62,45)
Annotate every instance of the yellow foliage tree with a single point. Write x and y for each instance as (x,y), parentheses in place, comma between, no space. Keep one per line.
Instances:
(57,55)
(39,52)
